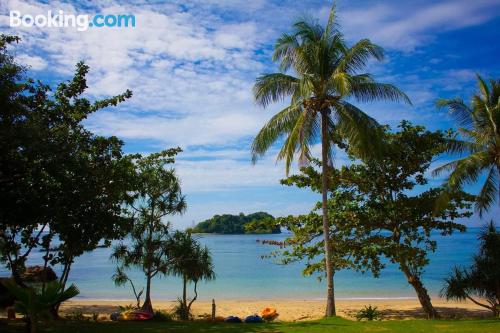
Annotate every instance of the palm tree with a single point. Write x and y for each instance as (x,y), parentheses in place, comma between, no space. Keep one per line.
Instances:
(480,139)
(325,77)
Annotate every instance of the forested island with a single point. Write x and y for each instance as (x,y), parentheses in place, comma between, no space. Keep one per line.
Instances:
(256,223)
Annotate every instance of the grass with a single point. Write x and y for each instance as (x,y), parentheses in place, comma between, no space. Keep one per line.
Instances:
(319,326)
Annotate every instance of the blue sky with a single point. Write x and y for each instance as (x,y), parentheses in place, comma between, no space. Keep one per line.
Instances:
(191,66)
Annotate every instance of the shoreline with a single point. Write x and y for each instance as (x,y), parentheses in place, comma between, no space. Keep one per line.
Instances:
(289,310)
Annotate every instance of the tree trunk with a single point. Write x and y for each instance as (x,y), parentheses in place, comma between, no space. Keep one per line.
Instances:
(330,298)
(422,294)
(147,305)
(185,313)
(195,296)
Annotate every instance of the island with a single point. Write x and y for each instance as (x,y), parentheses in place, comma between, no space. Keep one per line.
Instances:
(256,223)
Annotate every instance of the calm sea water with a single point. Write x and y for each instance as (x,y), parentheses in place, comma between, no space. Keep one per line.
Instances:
(242,274)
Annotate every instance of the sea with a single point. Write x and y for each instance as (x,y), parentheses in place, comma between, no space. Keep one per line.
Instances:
(241,273)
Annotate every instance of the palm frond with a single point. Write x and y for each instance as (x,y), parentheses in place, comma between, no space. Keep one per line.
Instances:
(462,113)
(365,91)
(280,124)
(274,88)
(362,132)
(356,57)
(489,191)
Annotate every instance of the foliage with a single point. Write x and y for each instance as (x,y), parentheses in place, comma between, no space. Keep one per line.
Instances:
(163,316)
(56,175)
(193,263)
(353,248)
(157,194)
(321,75)
(37,302)
(128,307)
(76,316)
(181,311)
(400,206)
(480,282)
(256,223)
(120,278)
(479,139)
(369,313)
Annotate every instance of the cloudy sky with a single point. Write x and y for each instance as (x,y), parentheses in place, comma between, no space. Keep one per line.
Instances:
(191,66)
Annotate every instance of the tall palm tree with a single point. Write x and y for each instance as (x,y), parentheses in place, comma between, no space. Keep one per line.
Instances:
(324,76)
(479,139)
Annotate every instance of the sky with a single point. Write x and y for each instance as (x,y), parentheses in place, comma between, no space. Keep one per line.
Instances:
(191,66)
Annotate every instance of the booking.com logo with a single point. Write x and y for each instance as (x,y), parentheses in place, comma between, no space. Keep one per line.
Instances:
(60,19)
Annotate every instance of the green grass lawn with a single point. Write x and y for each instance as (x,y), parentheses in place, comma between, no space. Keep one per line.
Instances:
(324,325)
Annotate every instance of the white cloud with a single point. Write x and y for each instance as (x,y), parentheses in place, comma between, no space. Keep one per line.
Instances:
(34,62)
(407,25)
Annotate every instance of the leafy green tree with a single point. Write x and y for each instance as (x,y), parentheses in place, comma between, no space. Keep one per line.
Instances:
(481,281)
(56,175)
(326,76)
(193,263)
(400,206)
(353,245)
(479,139)
(157,194)
(37,303)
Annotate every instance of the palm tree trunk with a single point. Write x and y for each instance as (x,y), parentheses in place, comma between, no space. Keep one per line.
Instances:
(330,298)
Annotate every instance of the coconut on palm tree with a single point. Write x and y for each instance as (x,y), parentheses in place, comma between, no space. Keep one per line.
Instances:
(321,75)
(479,139)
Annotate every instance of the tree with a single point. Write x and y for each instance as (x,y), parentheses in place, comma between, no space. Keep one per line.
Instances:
(401,207)
(353,245)
(56,175)
(482,279)
(479,139)
(193,263)
(157,194)
(326,78)
(120,278)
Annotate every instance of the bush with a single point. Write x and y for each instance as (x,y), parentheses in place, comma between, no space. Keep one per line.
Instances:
(181,312)
(128,307)
(159,315)
(369,313)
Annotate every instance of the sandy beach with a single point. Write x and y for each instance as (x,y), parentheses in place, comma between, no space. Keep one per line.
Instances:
(292,310)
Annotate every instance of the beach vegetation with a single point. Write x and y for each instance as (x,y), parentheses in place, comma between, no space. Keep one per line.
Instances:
(59,180)
(193,263)
(37,303)
(477,143)
(369,313)
(321,74)
(382,206)
(157,194)
(479,283)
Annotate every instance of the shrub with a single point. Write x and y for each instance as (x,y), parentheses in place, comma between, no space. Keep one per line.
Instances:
(369,313)
(159,315)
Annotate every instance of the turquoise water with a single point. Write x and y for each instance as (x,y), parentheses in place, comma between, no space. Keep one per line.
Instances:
(242,274)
